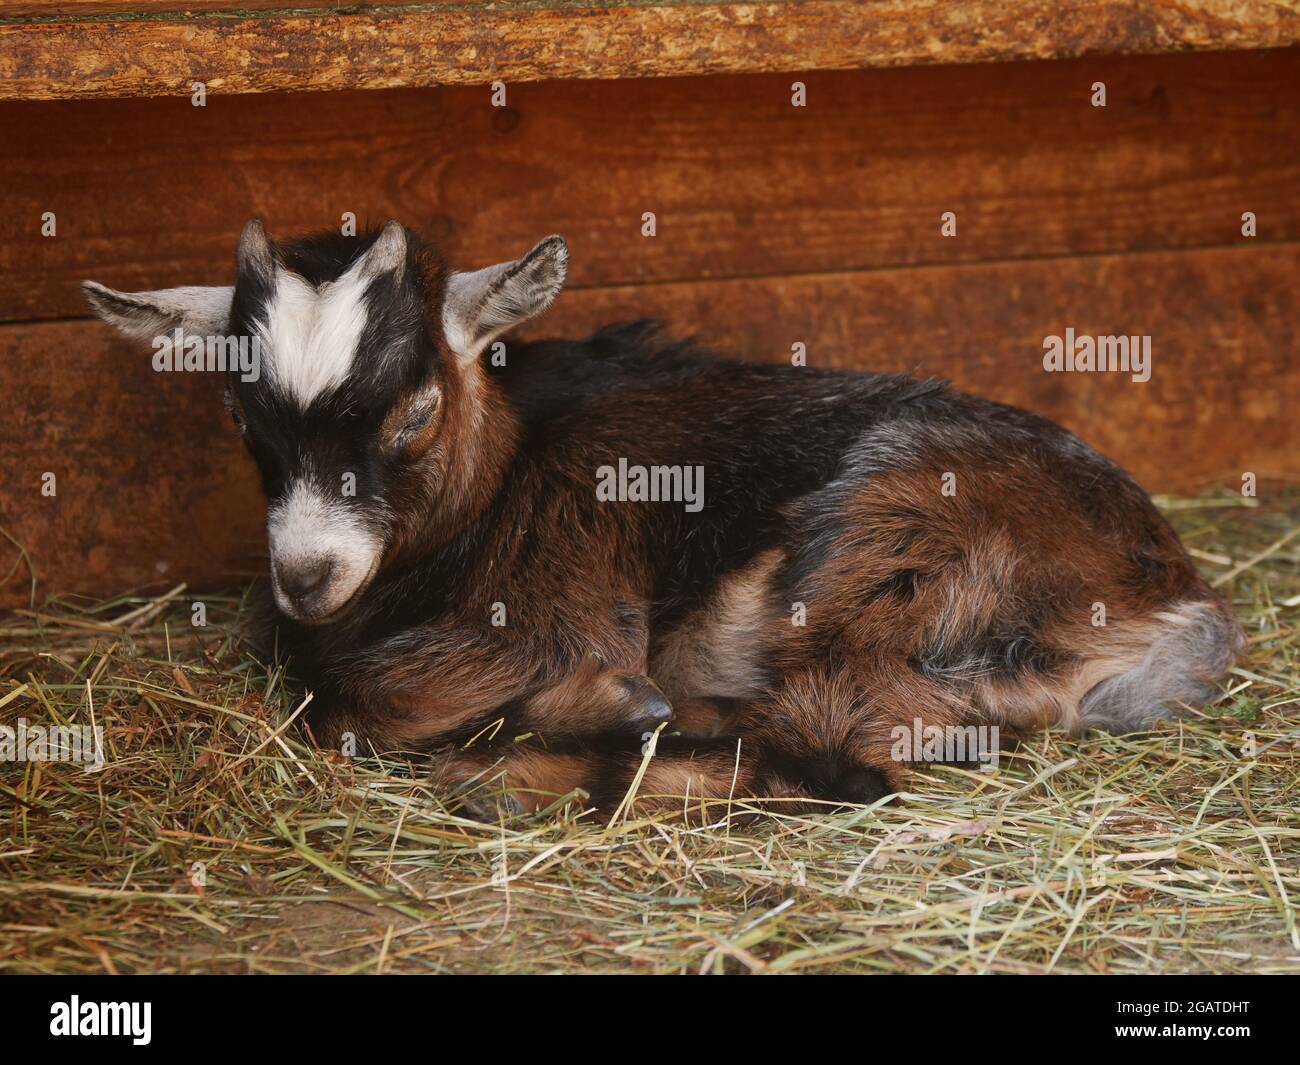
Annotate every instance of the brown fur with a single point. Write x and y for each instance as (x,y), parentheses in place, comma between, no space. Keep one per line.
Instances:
(914,573)
(876,551)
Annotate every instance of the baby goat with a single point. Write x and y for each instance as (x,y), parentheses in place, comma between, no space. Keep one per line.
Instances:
(453,576)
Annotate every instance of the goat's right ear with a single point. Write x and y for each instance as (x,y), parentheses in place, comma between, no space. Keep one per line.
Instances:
(198,309)
(479,307)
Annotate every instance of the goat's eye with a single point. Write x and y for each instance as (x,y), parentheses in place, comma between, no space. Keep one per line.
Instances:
(407,423)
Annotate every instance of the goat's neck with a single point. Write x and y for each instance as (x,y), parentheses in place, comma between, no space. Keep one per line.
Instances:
(480,442)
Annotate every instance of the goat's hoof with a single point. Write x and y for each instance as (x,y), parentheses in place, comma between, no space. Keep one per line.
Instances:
(646,706)
(490,808)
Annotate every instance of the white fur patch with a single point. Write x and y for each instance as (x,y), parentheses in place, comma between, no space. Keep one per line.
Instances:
(305,527)
(310,335)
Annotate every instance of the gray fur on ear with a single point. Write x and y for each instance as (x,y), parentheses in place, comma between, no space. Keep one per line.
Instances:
(254,252)
(198,309)
(388,252)
(481,306)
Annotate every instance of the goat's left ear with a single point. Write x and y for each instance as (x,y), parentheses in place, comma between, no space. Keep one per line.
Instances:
(481,306)
(198,309)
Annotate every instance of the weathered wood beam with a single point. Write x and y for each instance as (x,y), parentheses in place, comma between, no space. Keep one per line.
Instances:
(151,52)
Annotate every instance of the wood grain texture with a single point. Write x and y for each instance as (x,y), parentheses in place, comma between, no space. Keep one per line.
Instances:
(63,10)
(477,42)
(150,193)
(153,487)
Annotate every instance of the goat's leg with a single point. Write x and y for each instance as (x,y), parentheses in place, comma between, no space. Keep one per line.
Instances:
(595,705)
(808,745)
(529,776)
(823,737)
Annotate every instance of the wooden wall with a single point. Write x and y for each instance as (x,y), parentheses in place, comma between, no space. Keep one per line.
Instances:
(776,225)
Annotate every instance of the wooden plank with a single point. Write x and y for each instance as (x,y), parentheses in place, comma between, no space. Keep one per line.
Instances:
(64,10)
(477,42)
(149,476)
(741,183)
(150,485)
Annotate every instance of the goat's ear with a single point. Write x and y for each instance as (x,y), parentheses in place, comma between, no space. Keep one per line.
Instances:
(198,309)
(254,254)
(385,254)
(481,306)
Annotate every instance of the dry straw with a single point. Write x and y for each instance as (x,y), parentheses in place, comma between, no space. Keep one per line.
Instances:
(216,839)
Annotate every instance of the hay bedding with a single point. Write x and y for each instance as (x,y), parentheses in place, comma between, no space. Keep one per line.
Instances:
(215,839)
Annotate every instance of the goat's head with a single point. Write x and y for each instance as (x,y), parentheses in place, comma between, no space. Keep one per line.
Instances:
(369,378)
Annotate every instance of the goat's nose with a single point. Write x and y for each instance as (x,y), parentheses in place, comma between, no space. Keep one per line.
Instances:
(300,579)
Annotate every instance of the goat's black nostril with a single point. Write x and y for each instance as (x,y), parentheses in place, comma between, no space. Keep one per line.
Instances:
(301,579)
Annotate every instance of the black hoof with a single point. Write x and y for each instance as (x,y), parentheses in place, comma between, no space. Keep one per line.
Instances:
(860,785)
(647,705)
(658,709)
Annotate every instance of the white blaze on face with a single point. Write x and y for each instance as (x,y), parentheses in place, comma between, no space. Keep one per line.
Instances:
(308,530)
(310,335)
